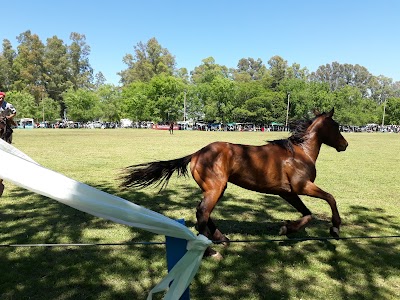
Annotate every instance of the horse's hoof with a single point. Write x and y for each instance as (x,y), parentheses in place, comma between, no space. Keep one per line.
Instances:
(283,230)
(210,252)
(219,238)
(226,243)
(215,255)
(334,231)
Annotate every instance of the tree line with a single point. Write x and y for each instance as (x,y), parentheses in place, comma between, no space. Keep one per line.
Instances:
(54,80)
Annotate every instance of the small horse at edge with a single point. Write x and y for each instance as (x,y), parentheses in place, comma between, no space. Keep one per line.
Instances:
(283,167)
(5,129)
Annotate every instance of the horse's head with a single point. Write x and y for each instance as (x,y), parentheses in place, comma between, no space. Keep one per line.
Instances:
(328,131)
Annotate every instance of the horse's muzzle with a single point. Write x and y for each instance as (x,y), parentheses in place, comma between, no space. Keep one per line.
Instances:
(342,146)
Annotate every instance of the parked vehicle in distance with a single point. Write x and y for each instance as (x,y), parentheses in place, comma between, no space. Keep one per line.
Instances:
(94,124)
(26,123)
(126,123)
(44,124)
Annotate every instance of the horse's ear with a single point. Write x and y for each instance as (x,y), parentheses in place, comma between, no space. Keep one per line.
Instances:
(330,114)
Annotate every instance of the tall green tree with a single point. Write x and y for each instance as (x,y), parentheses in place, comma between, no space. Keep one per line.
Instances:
(339,75)
(28,65)
(82,105)
(249,69)
(295,71)
(396,89)
(80,69)
(99,80)
(246,90)
(295,92)
(278,68)
(217,97)
(24,103)
(110,99)
(250,102)
(261,110)
(183,74)
(194,104)
(349,106)
(7,57)
(392,111)
(57,77)
(135,103)
(48,110)
(208,71)
(381,89)
(150,59)
(167,93)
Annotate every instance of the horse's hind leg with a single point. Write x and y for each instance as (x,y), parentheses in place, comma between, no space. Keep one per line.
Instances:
(294,226)
(215,233)
(205,225)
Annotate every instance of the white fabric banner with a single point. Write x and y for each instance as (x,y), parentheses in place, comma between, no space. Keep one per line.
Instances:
(18,168)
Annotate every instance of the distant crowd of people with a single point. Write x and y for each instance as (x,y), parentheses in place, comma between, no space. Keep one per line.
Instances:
(371,128)
(210,126)
(385,128)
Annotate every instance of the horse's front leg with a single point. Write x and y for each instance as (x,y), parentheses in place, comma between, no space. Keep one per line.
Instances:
(313,190)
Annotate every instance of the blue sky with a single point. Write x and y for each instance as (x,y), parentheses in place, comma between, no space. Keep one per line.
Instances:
(310,33)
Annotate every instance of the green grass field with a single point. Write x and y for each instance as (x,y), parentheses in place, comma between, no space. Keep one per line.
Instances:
(364,181)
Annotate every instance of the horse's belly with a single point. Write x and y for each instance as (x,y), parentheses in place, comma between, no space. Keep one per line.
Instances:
(262,184)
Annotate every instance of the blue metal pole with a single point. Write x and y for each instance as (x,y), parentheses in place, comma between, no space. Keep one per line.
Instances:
(176,249)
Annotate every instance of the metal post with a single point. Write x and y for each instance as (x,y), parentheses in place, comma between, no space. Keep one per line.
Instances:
(184,108)
(41,99)
(176,249)
(287,109)
(384,111)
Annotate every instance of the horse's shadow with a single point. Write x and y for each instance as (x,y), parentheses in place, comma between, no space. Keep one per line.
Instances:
(262,223)
(251,270)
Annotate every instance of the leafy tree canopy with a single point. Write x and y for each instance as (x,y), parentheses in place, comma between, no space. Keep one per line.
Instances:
(55,79)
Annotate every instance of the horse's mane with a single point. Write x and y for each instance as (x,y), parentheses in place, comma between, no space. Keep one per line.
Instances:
(298,136)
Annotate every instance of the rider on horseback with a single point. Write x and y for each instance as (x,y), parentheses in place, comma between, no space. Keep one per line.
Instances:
(7,113)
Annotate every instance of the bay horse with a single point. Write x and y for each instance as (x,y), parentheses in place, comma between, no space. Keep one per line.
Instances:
(283,167)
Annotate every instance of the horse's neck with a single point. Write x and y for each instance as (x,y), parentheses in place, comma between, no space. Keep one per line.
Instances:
(312,146)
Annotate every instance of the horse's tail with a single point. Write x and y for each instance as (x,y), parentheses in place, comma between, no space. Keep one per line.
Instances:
(154,173)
